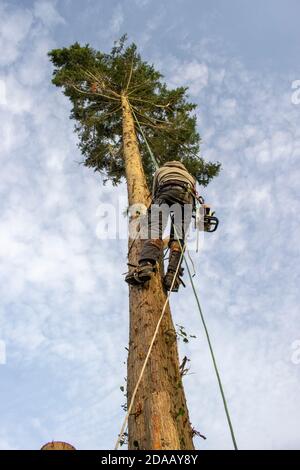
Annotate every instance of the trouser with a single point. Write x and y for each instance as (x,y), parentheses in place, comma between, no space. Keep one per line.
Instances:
(176,201)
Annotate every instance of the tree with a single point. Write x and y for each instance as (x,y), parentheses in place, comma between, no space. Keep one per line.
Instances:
(107,92)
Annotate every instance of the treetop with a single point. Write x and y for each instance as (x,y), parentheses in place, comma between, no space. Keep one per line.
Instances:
(94,82)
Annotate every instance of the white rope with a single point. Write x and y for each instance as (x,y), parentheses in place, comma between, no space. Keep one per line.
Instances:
(148,355)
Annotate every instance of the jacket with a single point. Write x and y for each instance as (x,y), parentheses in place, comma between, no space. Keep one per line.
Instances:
(172,171)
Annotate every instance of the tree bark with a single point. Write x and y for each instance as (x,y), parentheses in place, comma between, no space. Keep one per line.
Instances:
(159,418)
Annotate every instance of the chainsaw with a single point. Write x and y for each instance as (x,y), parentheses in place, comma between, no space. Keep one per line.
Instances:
(205,219)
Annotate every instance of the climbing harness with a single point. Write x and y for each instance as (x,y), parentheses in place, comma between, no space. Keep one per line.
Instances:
(204,218)
(210,220)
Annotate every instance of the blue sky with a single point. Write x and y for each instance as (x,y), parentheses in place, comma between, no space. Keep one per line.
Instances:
(63,309)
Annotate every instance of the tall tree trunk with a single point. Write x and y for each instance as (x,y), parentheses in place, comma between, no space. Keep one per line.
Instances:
(159,418)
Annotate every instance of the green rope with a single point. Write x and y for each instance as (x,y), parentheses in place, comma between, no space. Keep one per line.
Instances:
(156,165)
(199,307)
(211,350)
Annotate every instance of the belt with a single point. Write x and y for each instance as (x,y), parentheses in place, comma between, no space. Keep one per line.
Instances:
(172,183)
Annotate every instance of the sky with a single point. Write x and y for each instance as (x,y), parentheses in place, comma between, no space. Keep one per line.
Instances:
(64,304)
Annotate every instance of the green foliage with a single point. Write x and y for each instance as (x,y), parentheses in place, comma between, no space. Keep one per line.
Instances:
(94,82)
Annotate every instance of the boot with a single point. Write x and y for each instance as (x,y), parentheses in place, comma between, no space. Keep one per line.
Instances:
(174,259)
(168,280)
(175,255)
(140,274)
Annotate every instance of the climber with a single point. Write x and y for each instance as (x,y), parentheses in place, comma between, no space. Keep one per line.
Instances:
(173,186)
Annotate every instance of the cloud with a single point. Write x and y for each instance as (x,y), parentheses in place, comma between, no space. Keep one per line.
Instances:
(141,3)
(193,74)
(249,124)
(117,19)
(47,13)
(63,313)
(2,352)
(14,26)
(3,100)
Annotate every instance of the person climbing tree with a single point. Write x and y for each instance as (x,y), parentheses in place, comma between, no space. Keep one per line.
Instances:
(131,96)
(173,186)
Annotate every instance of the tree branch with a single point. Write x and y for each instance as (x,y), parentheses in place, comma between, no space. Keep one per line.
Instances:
(138,86)
(107,114)
(102,84)
(151,102)
(91,93)
(149,119)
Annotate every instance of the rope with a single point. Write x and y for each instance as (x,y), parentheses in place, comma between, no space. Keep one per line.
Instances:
(191,260)
(147,358)
(211,350)
(158,325)
(146,141)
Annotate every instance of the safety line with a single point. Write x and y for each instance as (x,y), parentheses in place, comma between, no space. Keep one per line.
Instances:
(202,319)
(145,139)
(159,322)
(210,349)
(147,358)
